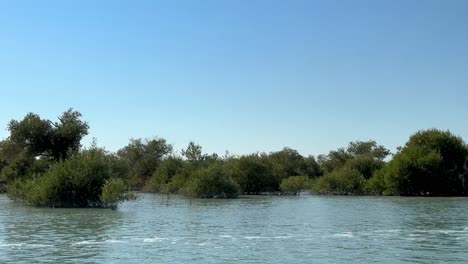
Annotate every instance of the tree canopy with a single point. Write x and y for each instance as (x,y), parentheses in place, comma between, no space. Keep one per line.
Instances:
(42,163)
(432,162)
(42,137)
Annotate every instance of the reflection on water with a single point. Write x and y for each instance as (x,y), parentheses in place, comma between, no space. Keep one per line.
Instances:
(320,229)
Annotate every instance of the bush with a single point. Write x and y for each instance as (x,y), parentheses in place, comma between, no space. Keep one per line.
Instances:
(164,174)
(432,162)
(254,175)
(295,184)
(376,184)
(214,181)
(76,182)
(344,181)
(114,192)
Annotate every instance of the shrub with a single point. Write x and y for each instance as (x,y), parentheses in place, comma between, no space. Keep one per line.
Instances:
(114,192)
(344,181)
(76,182)
(254,175)
(432,162)
(214,181)
(295,184)
(164,174)
(376,184)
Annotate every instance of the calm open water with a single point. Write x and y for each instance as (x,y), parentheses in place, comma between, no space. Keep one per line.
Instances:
(266,229)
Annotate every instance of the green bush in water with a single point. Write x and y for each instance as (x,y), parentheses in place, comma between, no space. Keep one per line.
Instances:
(164,175)
(114,192)
(432,162)
(295,184)
(76,182)
(214,181)
(344,181)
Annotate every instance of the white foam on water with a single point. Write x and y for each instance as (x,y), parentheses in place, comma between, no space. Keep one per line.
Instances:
(11,244)
(415,238)
(283,237)
(225,236)
(154,239)
(388,231)
(113,241)
(268,237)
(252,237)
(83,243)
(466,228)
(343,235)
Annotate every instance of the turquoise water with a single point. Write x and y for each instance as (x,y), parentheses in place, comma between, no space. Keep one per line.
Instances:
(265,229)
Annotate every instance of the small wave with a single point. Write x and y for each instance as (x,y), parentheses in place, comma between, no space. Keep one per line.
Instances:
(113,241)
(252,237)
(85,243)
(415,238)
(11,244)
(343,235)
(283,237)
(225,236)
(154,239)
(268,237)
(387,231)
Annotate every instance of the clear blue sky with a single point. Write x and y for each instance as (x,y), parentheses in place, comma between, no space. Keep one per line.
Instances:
(239,75)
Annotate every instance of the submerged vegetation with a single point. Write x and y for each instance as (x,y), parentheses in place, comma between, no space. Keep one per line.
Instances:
(42,163)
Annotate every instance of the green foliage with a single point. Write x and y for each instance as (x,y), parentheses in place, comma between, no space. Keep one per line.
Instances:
(114,192)
(295,184)
(344,181)
(35,144)
(311,167)
(254,175)
(194,155)
(193,152)
(176,184)
(347,170)
(24,167)
(41,137)
(120,167)
(288,162)
(376,184)
(76,182)
(144,157)
(366,151)
(164,174)
(432,162)
(334,160)
(32,133)
(366,165)
(214,181)
(367,148)
(42,164)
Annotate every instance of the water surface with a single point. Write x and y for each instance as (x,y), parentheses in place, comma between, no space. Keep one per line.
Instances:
(265,229)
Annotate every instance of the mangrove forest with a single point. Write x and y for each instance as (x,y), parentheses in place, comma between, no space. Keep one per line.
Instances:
(42,163)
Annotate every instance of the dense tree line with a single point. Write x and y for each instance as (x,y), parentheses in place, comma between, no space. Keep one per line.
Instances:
(43,163)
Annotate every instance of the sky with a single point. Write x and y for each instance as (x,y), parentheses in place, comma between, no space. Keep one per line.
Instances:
(238,75)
